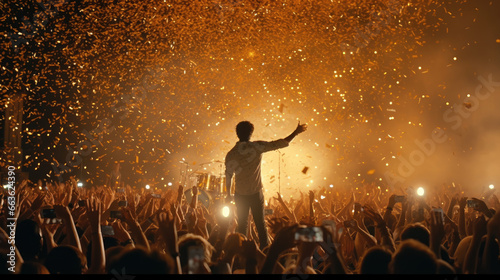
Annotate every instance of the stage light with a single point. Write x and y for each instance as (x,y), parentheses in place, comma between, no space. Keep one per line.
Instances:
(169,184)
(79,184)
(331,186)
(225,211)
(491,186)
(420,191)
(147,187)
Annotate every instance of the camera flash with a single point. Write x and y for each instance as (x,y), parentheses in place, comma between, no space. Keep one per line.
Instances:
(147,187)
(492,187)
(79,184)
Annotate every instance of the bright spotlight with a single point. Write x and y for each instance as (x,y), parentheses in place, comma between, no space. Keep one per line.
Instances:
(331,186)
(225,211)
(147,187)
(169,184)
(79,184)
(491,186)
(420,191)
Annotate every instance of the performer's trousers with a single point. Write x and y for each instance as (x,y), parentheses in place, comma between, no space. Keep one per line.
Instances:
(254,202)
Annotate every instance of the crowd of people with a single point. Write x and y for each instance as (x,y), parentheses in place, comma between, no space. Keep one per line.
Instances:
(62,228)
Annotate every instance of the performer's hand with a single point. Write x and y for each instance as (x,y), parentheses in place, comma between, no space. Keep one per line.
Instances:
(300,128)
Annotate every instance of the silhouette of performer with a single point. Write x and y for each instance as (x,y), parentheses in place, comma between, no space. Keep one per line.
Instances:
(243,161)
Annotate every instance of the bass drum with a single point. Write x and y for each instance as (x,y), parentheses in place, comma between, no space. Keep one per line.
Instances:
(202,180)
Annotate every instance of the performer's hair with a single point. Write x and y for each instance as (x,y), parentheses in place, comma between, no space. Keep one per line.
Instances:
(244,130)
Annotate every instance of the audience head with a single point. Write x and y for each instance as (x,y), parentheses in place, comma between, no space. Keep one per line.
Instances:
(65,259)
(139,261)
(32,267)
(416,231)
(413,257)
(29,239)
(188,240)
(375,261)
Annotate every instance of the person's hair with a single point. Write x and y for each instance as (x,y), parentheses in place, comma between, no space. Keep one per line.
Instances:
(32,267)
(413,257)
(65,259)
(139,261)
(108,242)
(190,239)
(244,130)
(445,268)
(416,231)
(29,239)
(375,261)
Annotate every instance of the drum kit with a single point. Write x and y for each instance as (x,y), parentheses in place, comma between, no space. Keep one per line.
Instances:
(212,183)
(209,182)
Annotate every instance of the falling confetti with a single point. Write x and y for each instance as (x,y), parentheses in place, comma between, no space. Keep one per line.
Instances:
(148,83)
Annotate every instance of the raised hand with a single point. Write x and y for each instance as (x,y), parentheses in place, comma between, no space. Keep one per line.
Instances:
(38,202)
(300,128)
(493,226)
(481,207)
(166,224)
(374,215)
(120,233)
(462,202)
(479,226)
(94,214)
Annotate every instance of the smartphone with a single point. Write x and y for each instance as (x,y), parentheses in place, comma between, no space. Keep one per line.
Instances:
(196,257)
(115,214)
(107,230)
(48,213)
(122,203)
(350,223)
(309,234)
(156,195)
(438,215)
(82,203)
(120,190)
(399,198)
(268,211)
(472,204)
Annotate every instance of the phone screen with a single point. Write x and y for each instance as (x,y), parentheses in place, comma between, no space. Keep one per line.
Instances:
(309,234)
(115,214)
(471,203)
(438,216)
(107,230)
(122,203)
(196,256)
(399,198)
(268,211)
(48,213)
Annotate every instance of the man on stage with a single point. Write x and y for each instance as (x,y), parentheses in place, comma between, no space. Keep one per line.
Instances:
(243,161)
